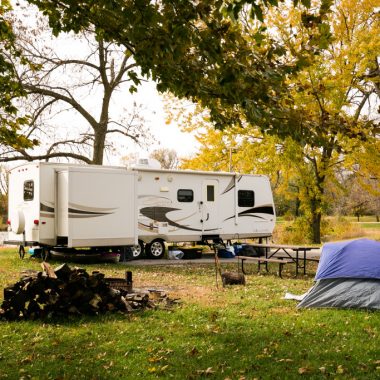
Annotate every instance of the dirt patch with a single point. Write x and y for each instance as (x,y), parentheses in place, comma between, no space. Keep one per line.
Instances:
(200,290)
(196,294)
(280,310)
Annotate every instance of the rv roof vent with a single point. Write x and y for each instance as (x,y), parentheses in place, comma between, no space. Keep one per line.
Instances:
(150,163)
(143,161)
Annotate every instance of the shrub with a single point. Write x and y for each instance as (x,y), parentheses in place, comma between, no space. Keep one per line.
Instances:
(297,231)
(340,228)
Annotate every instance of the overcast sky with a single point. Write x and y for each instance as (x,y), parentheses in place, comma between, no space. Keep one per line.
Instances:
(167,136)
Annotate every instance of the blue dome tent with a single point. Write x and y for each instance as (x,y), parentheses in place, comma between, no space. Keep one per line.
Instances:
(348,276)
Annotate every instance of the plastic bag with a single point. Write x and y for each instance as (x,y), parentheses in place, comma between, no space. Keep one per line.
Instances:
(175,254)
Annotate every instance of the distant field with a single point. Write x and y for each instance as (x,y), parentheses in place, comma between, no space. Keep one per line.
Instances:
(366,218)
(374,225)
(336,229)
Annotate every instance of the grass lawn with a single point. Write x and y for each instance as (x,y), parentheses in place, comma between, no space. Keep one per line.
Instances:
(234,333)
(373,225)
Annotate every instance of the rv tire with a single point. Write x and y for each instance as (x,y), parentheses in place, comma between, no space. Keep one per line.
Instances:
(137,250)
(155,249)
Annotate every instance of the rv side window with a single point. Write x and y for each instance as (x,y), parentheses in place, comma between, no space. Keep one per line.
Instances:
(185,195)
(210,193)
(246,198)
(28,190)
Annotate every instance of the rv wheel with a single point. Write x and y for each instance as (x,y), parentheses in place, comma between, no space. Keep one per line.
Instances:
(137,250)
(156,249)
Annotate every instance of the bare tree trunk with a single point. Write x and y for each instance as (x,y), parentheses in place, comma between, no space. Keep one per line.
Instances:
(316,218)
(316,201)
(99,144)
(297,212)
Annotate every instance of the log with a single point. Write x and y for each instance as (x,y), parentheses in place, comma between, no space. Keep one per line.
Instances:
(233,278)
(48,269)
(65,291)
(63,272)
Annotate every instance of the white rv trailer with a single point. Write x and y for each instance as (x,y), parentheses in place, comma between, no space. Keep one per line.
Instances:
(66,205)
(93,206)
(188,206)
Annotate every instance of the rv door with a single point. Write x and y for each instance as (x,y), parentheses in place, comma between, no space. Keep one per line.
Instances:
(210,207)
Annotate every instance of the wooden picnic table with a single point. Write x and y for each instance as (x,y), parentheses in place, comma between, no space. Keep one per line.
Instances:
(300,252)
(263,260)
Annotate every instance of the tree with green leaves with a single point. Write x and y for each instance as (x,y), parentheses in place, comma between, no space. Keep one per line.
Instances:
(364,166)
(10,121)
(197,50)
(331,116)
(327,113)
(70,95)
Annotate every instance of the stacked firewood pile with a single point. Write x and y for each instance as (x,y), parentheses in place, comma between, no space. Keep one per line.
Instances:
(65,291)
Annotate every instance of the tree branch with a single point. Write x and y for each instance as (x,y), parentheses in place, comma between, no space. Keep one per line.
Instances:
(361,105)
(28,157)
(66,99)
(133,137)
(37,115)
(102,65)
(74,142)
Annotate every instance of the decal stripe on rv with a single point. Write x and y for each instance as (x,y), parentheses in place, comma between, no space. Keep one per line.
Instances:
(88,213)
(266,209)
(159,214)
(46,208)
(48,212)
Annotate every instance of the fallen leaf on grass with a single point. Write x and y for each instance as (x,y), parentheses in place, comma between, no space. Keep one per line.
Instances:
(155,359)
(109,365)
(208,371)
(27,360)
(101,355)
(166,351)
(303,370)
(157,369)
(194,351)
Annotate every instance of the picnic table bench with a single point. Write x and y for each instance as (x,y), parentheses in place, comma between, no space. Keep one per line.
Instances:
(299,250)
(263,260)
